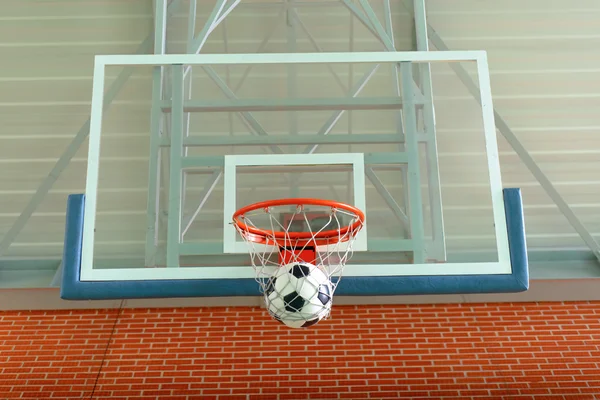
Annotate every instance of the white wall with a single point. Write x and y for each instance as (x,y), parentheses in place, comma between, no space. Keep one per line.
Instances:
(542,62)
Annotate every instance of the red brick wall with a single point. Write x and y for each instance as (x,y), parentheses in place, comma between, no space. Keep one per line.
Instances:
(541,351)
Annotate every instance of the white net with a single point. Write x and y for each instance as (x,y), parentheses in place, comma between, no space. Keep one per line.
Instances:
(298,253)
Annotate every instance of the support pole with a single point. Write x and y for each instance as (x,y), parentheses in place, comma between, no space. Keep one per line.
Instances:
(437,249)
(176,172)
(389,29)
(156,121)
(414,174)
(292,86)
(188,81)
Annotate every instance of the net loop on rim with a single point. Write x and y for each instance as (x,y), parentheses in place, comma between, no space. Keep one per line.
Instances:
(303,230)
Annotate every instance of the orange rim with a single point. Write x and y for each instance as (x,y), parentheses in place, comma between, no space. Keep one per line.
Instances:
(331,236)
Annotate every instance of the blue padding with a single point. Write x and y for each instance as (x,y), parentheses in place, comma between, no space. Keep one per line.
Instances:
(74,289)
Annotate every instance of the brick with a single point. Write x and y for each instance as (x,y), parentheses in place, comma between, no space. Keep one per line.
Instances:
(526,350)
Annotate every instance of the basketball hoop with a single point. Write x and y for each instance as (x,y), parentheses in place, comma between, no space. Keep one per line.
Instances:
(312,231)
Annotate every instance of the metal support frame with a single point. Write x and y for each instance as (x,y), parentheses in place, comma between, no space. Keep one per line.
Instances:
(292,83)
(437,248)
(389,29)
(161,166)
(156,159)
(246,106)
(368,17)
(415,204)
(176,172)
(294,104)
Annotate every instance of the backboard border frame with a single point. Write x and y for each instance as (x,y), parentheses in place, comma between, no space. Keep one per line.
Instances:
(480,57)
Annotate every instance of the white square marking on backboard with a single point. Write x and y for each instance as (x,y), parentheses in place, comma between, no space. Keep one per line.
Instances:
(230,243)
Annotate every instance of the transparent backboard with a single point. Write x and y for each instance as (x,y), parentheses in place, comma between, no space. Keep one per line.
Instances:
(170,173)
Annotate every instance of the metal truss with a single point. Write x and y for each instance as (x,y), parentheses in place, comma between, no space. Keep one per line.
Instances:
(411,89)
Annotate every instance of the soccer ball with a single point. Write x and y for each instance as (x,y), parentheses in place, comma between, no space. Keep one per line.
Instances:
(299,295)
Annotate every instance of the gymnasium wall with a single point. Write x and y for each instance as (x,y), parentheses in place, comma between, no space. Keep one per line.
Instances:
(503,351)
(544,81)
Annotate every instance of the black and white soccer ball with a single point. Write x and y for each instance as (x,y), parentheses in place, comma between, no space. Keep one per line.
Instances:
(299,295)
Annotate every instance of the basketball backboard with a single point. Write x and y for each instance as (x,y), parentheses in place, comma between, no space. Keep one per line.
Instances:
(225,131)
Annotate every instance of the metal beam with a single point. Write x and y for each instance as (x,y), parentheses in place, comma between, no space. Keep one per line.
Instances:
(227,72)
(292,85)
(438,247)
(247,118)
(209,186)
(359,57)
(384,162)
(215,18)
(318,48)
(335,117)
(379,29)
(176,173)
(160,21)
(387,197)
(350,114)
(292,70)
(188,85)
(196,45)
(296,4)
(261,47)
(362,18)
(156,118)
(413,168)
(192,22)
(389,28)
(311,139)
(372,23)
(289,104)
(226,12)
